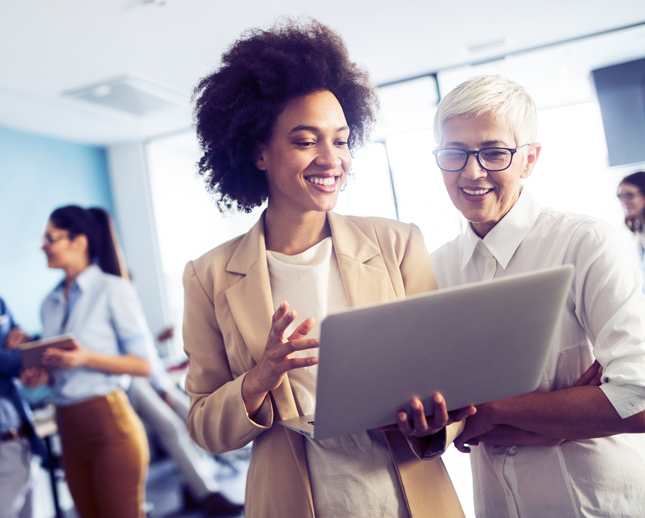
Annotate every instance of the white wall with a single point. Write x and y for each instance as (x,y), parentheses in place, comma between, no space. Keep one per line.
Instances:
(136,226)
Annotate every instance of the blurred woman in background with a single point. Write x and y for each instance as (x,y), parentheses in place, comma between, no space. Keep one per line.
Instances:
(631,193)
(105,449)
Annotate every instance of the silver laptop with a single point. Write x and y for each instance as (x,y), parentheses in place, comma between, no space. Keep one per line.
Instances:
(473,343)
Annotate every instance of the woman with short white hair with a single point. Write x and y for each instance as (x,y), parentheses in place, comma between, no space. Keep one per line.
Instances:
(564,450)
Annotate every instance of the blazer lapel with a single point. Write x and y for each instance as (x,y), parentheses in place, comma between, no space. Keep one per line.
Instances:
(364,277)
(251,304)
(362,269)
(250,297)
(361,264)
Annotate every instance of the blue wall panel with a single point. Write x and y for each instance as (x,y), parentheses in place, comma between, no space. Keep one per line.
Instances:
(37,175)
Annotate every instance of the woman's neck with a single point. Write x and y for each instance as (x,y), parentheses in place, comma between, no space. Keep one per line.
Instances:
(292,234)
(71,273)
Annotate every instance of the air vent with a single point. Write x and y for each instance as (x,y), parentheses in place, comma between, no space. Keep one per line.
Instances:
(129,94)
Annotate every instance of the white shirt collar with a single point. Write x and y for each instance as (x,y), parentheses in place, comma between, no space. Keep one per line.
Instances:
(84,280)
(505,237)
(88,276)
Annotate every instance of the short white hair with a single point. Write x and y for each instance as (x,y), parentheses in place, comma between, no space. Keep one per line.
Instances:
(492,94)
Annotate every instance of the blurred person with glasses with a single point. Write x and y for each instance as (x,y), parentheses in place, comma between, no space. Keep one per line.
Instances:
(574,447)
(630,194)
(105,450)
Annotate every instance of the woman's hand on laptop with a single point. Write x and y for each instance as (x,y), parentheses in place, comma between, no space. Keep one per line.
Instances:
(277,358)
(420,425)
(483,429)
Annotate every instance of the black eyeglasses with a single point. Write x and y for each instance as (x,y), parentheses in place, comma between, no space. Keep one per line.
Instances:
(50,239)
(490,158)
(629,196)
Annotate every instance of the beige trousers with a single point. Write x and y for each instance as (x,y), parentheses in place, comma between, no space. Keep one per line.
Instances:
(105,456)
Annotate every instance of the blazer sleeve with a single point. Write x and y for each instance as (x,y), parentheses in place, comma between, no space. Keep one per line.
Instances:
(419,277)
(217,419)
(416,267)
(10,364)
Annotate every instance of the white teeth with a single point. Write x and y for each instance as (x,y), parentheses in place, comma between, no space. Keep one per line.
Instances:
(476,192)
(322,181)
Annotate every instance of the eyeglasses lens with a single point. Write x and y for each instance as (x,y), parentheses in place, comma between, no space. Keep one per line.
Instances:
(491,159)
(53,238)
(628,196)
(495,159)
(451,159)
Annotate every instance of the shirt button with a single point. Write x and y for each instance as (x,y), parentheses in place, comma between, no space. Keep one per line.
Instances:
(508,492)
(490,265)
(513,450)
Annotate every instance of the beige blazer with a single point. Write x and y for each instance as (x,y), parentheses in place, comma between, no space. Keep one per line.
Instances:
(227,318)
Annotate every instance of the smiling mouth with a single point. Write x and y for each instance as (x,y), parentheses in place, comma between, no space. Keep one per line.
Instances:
(476,192)
(326,181)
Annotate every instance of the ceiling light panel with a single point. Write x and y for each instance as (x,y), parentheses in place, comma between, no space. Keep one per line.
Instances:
(131,95)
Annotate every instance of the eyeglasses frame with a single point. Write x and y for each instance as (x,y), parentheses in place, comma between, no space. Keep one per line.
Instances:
(628,196)
(476,153)
(48,238)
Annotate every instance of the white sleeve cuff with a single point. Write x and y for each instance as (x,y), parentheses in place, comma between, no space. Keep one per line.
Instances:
(627,400)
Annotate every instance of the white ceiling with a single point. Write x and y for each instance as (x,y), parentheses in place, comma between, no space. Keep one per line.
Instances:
(49,47)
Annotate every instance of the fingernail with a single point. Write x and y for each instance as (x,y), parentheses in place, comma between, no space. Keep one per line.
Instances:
(402,416)
(437,398)
(416,404)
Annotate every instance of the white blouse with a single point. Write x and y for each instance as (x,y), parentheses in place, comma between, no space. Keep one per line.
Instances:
(352,475)
(105,315)
(604,319)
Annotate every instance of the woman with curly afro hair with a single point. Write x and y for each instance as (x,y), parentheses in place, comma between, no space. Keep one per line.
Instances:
(278,122)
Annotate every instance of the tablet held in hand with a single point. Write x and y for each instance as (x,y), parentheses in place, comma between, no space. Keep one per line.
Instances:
(31,352)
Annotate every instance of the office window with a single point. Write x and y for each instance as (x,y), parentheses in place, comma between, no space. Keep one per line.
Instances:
(368,190)
(188,221)
(420,192)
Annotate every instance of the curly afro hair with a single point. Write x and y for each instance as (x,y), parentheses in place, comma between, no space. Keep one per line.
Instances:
(237,105)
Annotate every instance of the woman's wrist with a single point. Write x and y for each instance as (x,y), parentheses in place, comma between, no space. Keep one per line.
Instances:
(491,412)
(251,395)
(87,359)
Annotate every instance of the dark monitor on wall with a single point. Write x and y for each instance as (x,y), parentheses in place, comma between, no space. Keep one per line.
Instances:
(621,95)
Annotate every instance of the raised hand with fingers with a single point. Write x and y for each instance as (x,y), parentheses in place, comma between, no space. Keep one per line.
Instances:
(278,357)
(422,425)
